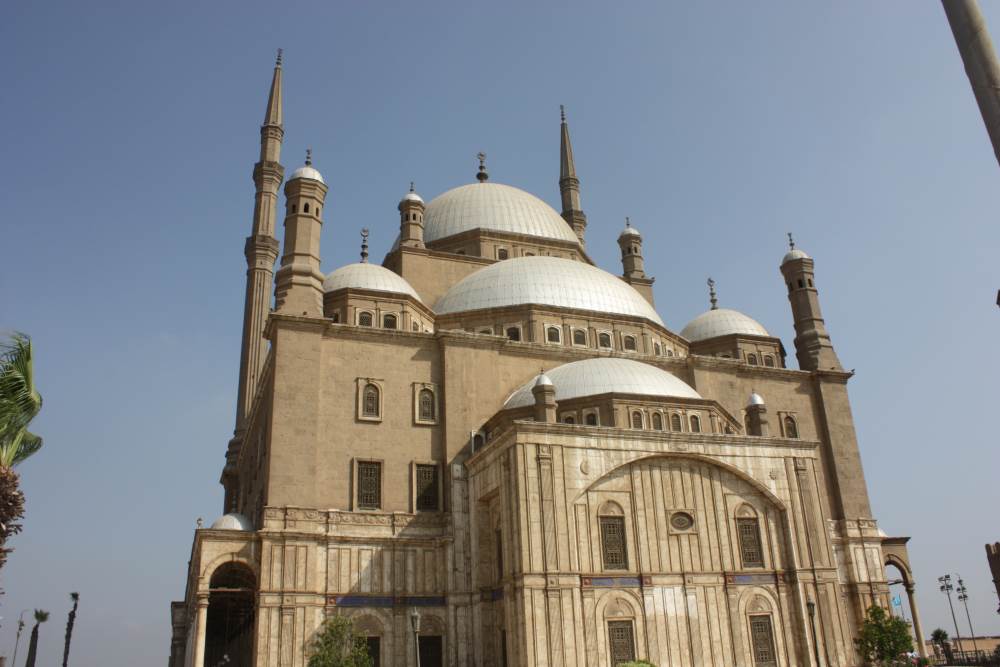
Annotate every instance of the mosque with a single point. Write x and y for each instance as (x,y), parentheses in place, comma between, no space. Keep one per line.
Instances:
(489,451)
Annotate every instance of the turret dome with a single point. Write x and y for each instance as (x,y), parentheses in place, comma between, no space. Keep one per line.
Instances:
(722,322)
(232,521)
(370,277)
(794,253)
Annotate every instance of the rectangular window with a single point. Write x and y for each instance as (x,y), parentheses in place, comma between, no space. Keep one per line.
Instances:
(369,485)
(427,488)
(375,650)
(613,543)
(750,550)
(762,636)
(622,642)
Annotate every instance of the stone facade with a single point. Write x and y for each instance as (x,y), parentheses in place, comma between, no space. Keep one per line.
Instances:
(379,467)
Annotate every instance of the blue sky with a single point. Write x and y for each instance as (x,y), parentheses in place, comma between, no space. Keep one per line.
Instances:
(129,134)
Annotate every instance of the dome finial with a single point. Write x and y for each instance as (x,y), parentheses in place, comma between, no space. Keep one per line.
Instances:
(364,245)
(411,187)
(711,294)
(482,175)
(562,113)
(309,157)
(277,62)
(628,223)
(791,242)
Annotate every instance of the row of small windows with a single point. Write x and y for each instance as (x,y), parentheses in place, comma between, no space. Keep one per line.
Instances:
(371,403)
(305,208)
(427,486)
(389,320)
(554,334)
(808,282)
(638,421)
(752,360)
(412,217)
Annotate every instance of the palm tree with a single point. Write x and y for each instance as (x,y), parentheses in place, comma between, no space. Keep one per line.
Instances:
(40,617)
(20,402)
(69,626)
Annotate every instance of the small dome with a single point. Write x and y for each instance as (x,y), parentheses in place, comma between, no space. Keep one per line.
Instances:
(232,521)
(368,276)
(630,231)
(546,281)
(412,196)
(794,253)
(543,380)
(755,399)
(722,322)
(496,207)
(603,375)
(309,172)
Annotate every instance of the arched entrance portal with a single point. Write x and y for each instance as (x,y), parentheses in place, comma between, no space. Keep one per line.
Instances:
(897,558)
(229,632)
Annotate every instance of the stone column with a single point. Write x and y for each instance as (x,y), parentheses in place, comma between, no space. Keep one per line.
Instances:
(917,627)
(201,626)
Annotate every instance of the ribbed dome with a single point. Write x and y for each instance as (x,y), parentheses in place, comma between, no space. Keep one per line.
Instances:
(722,322)
(232,522)
(547,281)
(495,207)
(368,276)
(603,375)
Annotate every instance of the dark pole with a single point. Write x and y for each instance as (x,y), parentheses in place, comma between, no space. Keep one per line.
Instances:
(947,588)
(811,606)
(20,626)
(963,595)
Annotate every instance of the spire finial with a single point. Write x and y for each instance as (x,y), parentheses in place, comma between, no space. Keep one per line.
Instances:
(482,175)
(562,113)
(791,242)
(411,187)
(364,245)
(711,294)
(628,223)
(309,157)
(277,63)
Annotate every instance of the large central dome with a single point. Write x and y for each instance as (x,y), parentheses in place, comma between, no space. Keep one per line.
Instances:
(546,281)
(495,207)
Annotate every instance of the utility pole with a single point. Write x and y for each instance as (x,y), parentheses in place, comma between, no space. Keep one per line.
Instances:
(963,595)
(947,588)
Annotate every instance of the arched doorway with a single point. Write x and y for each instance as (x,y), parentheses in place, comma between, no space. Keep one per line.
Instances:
(901,587)
(229,632)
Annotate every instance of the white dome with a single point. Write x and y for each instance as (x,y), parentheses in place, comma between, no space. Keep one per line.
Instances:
(630,231)
(368,276)
(543,380)
(603,375)
(307,172)
(722,322)
(794,253)
(412,196)
(495,207)
(547,281)
(755,399)
(232,522)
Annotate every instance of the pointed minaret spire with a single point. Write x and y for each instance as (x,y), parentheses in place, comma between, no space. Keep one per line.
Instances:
(482,176)
(711,294)
(569,184)
(364,245)
(273,116)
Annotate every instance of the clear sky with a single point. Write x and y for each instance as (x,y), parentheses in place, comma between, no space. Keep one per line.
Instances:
(129,133)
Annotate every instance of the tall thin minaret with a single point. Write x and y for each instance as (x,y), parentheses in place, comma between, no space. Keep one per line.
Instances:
(569,184)
(261,251)
(812,343)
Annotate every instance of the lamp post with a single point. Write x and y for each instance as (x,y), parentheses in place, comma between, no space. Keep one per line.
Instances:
(415,626)
(947,588)
(963,596)
(811,606)
(20,626)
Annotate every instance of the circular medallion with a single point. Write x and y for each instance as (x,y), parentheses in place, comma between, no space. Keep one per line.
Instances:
(681,521)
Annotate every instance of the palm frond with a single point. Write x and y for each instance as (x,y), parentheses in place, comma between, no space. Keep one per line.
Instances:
(20,401)
(30,443)
(41,616)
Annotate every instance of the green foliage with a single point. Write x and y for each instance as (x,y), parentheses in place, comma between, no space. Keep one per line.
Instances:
(337,645)
(40,617)
(939,636)
(883,638)
(20,401)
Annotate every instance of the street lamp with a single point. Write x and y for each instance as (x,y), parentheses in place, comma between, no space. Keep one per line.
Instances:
(415,626)
(963,596)
(811,607)
(947,588)
(20,626)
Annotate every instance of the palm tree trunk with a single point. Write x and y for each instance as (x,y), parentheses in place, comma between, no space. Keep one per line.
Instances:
(32,647)
(69,627)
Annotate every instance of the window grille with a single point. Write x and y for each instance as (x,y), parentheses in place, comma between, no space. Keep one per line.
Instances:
(364,319)
(427,488)
(613,543)
(657,421)
(592,419)
(502,253)
(426,406)
(630,343)
(791,430)
(695,424)
(750,548)
(604,340)
(621,639)
(369,485)
(656,349)
(552,334)
(752,359)
(636,420)
(370,407)
(389,321)
(579,337)
(769,361)
(762,636)
(675,422)
(513,333)
(569,419)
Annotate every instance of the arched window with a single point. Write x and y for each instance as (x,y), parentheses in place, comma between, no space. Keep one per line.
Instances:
(604,340)
(317,211)
(389,321)
(591,419)
(657,421)
(791,428)
(569,419)
(370,405)
(426,402)
(670,353)
(800,283)
(513,333)
(752,359)
(656,349)
(477,442)
(579,337)
(365,319)
(769,361)
(502,253)
(305,207)
(695,424)
(636,419)
(335,317)
(553,334)
(613,547)
(675,422)
(809,282)
(294,208)
(415,326)
(630,343)
(751,553)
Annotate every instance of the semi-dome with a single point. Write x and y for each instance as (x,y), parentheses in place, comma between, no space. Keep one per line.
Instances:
(495,207)
(232,521)
(546,281)
(368,276)
(603,375)
(722,322)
